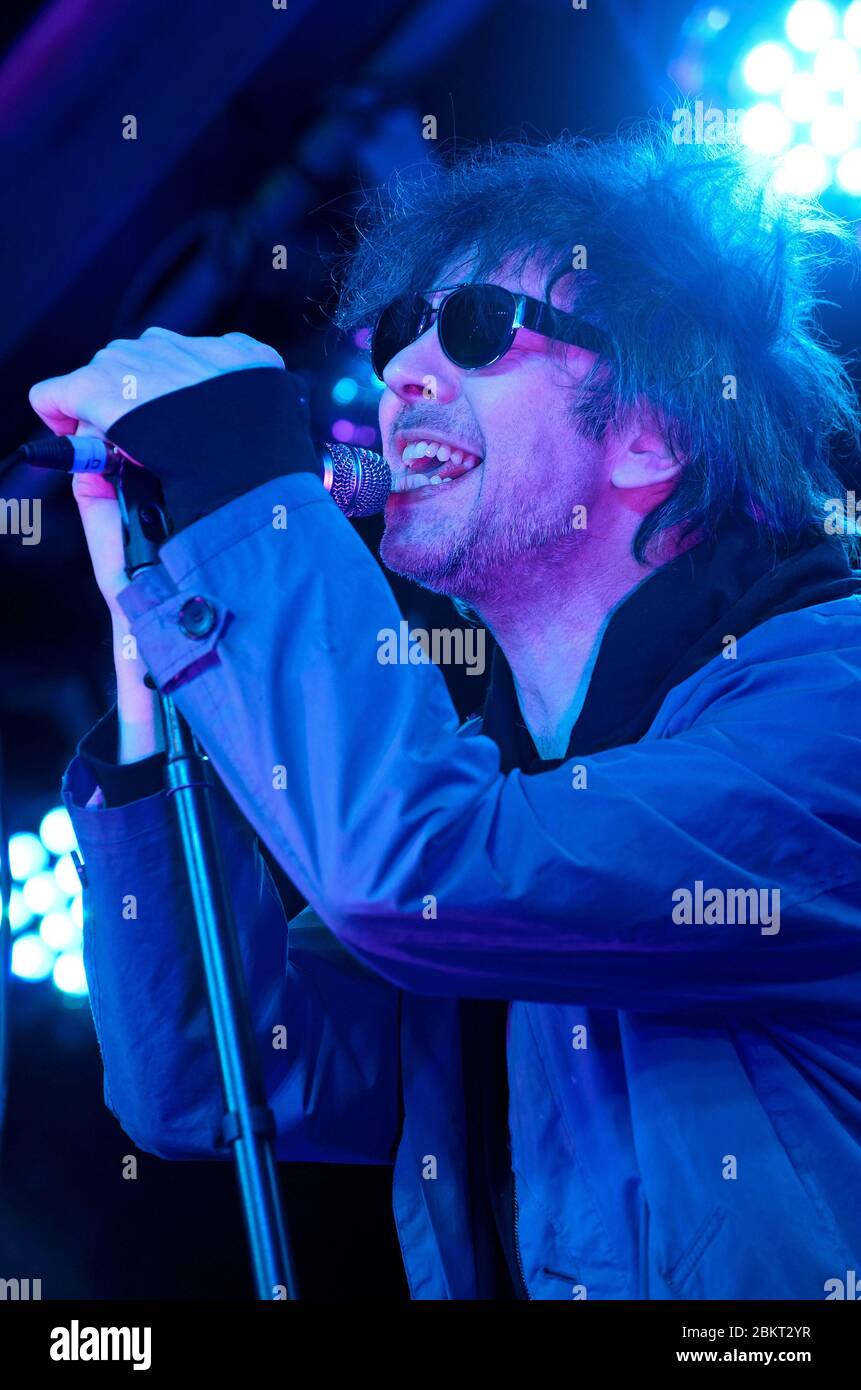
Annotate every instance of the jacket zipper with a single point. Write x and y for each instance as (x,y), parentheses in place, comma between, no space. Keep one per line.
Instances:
(523,1282)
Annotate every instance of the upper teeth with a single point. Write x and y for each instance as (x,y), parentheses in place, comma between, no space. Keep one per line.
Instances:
(430,448)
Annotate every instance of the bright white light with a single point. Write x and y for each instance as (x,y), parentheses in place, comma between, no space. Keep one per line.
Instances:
(803,97)
(852,98)
(765,129)
(58,931)
(19,912)
(848,173)
(810,24)
(852,23)
(803,171)
(833,131)
(41,893)
(56,831)
(76,912)
(31,958)
(835,64)
(767,67)
(26,855)
(67,876)
(69,975)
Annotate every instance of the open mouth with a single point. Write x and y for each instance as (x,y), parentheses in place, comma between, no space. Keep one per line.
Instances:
(431,463)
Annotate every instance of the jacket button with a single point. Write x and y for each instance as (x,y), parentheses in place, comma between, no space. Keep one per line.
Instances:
(197,617)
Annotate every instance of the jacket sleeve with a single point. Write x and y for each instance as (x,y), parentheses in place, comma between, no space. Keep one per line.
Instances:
(450,878)
(327,1027)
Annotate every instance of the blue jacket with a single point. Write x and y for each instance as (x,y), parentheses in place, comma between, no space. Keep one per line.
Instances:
(685,1095)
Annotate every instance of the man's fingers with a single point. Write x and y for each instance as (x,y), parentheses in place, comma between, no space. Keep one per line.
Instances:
(45,400)
(261,350)
(59,400)
(88,485)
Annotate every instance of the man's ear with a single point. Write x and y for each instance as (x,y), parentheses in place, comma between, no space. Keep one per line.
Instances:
(643,457)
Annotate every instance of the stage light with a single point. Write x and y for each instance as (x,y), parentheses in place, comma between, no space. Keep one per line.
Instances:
(835,64)
(69,975)
(19,913)
(765,129)
(798,87)
(803,171)
(41,894)
(833,131)
(31,958)
(67,877)
(27,855)
(56,831)
(345,390)
(852,23)
(76,912)
(852,98)
(803,97)
(717,19)
(810,24)
(848,172)
(58,931)
(768,67)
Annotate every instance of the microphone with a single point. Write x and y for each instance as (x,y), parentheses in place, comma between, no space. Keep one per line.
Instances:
(358,480)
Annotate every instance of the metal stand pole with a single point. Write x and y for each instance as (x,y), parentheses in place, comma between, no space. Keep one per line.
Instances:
(248,1122)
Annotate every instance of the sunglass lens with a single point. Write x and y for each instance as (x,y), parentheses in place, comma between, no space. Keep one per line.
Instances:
(475,325)
(397,326)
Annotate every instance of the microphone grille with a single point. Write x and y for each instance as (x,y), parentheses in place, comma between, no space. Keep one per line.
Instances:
(361,479)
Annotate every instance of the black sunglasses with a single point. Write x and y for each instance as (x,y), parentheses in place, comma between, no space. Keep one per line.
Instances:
(476,324)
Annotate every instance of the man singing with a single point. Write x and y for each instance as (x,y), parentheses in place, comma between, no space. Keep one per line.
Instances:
(587,969)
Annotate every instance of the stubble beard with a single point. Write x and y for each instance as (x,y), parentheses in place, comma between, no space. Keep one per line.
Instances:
(474,563)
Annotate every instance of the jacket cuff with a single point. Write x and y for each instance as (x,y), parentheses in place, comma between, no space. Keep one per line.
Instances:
(213,441)
(120,783)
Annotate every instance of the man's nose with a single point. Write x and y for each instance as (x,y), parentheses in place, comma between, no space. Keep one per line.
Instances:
(421,370)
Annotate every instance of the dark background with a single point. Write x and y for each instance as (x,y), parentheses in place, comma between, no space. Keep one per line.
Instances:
(257,126)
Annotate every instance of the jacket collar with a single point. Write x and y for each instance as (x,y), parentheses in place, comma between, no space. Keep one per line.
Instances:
(670,626)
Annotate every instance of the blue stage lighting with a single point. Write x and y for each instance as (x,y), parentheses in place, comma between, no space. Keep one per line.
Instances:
(19,913)
(848,172)
(803,171)
(765,129)
(811,23)
(69,975)
(58,931)
(345,390)
(41,893)
(56,832)
(803,97)
(852,23)
(768,67)
(812,79)
(833,131)
(31,958)
(67,877)
(835,64)
(27,855)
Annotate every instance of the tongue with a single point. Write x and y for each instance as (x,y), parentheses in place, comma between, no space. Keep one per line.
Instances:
(445,470)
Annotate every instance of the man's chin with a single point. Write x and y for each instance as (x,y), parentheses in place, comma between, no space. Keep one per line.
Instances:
(423,562)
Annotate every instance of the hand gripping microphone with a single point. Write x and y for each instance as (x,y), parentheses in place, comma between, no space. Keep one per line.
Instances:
(358,480)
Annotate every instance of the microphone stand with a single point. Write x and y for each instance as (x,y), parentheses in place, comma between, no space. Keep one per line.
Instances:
(248,1125)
